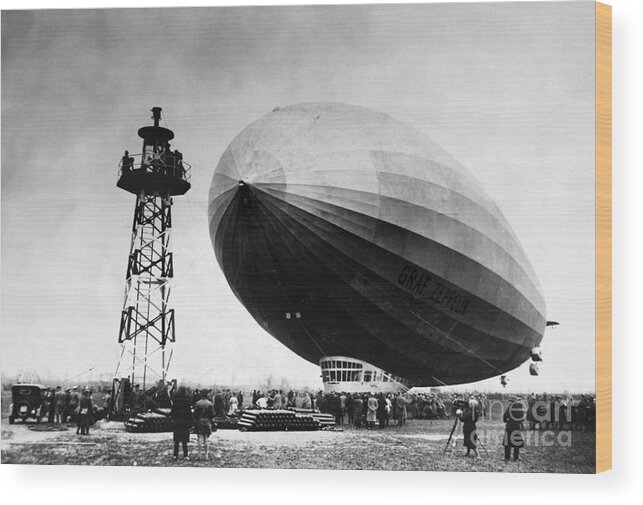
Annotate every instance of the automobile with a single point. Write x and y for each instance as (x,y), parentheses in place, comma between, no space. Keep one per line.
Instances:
(27,401)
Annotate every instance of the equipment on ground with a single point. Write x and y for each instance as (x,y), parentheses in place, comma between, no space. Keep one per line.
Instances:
(149,422)
(278,420)
(159,420)
(455,424)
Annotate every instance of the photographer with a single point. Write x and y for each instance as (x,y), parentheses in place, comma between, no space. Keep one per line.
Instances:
(469,416)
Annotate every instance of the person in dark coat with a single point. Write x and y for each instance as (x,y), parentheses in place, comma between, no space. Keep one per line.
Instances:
(59,405)
(381,410)
(469,418)
(364,408)
(162,395)
(401,402)
(136,398)
(531,411)
(349,409)
(358,408)
(336,407)
(203,415)
(74,403)
(85,413)
(51,405)
(127,162)
(513,418)
(66,404)
(181,415)
(219,405)
(179,170)
(322,402)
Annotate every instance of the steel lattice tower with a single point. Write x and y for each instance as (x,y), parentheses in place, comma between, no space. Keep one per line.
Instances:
(147,322)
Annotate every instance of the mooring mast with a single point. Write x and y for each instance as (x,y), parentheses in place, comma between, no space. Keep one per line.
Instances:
(147,322)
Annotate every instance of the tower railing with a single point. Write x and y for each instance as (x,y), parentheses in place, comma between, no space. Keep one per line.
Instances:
(164,164)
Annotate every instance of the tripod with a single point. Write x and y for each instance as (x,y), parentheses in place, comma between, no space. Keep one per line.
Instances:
(455,424)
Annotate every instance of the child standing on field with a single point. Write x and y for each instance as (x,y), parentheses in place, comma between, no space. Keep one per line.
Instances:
(203,414)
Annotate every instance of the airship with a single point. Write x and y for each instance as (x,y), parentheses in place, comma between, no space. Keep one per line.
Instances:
(361,245)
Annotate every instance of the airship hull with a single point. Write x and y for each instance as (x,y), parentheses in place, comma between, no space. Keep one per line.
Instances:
(351,234)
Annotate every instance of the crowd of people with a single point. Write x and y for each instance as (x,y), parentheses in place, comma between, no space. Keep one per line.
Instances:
(162,159)
(554,412)
(366,409)
(69,406)
(362,409)
(543,411)
(197,409)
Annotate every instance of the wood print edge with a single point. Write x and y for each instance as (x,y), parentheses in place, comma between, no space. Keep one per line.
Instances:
(603,237)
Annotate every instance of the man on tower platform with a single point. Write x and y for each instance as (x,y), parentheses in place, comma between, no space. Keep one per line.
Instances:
(127,162)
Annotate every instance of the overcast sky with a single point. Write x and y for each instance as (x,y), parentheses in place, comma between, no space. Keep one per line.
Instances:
(508,89)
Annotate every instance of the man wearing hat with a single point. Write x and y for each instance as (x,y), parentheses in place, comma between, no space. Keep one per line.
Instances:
(51,408)
(59,399)
(127,162)
(513,418)
(67,402)
(85,413)
(73,404)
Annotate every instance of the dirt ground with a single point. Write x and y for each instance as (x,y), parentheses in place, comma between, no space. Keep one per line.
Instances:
(419,445)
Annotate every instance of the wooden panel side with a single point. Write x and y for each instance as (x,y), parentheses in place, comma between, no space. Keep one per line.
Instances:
(603,237)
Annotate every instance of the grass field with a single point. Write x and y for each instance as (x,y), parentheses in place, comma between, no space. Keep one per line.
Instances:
(417,446)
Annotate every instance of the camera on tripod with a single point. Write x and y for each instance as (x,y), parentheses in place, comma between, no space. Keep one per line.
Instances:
(459,404)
